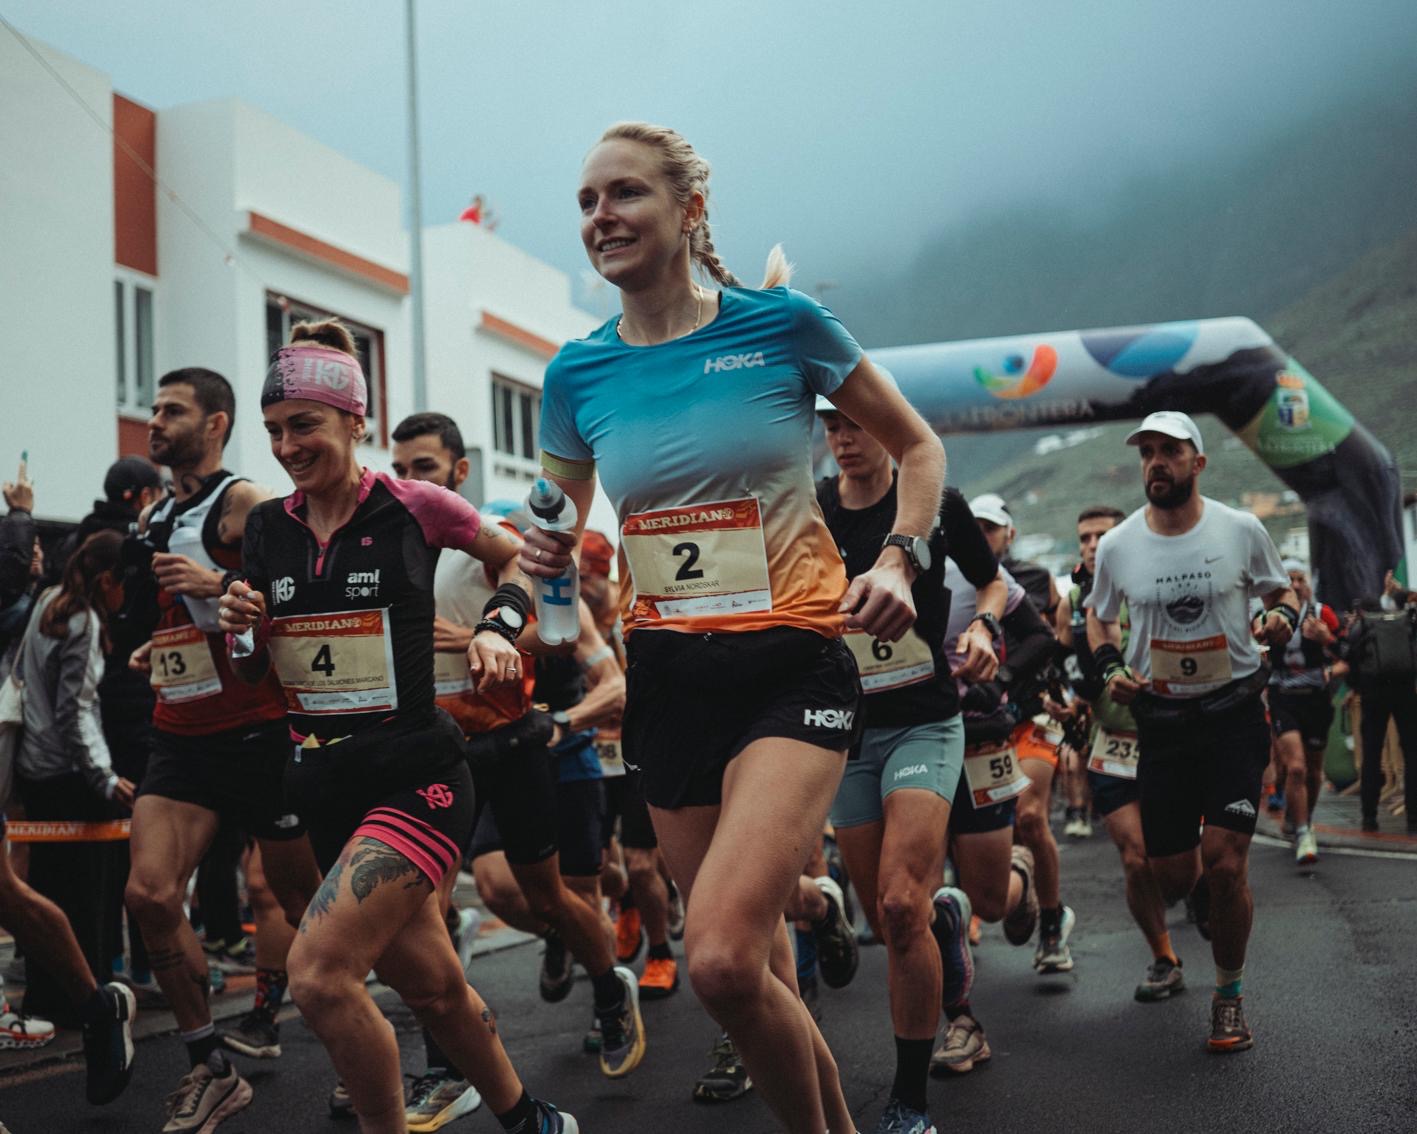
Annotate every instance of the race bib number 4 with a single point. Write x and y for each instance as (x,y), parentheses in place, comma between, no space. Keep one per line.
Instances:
(1115,754)
(698,560)
(889,665)
(335,663)
(993,774)
(183,668)
(1190,668)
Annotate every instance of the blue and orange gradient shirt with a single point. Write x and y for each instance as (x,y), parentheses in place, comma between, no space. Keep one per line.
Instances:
(703,444)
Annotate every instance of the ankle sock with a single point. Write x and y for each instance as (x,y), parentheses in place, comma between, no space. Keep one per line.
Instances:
(661,952)
(201,1042)
(1228,981)
(270,989)
(1050,920)
(609,993)
(912,1069)
(521,1119)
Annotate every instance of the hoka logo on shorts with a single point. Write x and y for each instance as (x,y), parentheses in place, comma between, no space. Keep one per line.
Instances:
(828,718)
(436,796)
(912,770)
(734,362)
(283,590)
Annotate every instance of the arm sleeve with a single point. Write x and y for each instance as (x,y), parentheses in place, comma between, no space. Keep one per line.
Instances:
(1263,565)
(76,718)
(560,436)
(826,352)
(966,543)
(1105,601)
(447,520)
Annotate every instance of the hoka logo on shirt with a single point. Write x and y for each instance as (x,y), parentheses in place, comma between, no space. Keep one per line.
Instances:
(733,362)
(828,718)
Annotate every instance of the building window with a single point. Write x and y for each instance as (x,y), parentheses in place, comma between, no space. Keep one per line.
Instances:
(134,362)
(282,313)
(516,413)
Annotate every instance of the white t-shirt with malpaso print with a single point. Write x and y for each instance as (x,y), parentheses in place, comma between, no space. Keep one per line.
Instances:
(1188,596)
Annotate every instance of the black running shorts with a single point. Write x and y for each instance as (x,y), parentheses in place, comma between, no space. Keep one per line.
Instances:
(518,812)
(580,811)
(1111,792)
(1308,714)
(239,774)
(1208,768)
(966,819)
(625,800)
(695,701)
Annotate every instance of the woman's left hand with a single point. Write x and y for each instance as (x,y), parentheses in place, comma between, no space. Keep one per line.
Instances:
(493,660)
(879,602)
(124,792)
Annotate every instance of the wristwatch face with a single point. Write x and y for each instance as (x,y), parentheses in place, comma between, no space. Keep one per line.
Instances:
(509,618)
(919,550)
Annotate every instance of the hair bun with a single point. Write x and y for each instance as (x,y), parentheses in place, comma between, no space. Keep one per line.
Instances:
(328,332)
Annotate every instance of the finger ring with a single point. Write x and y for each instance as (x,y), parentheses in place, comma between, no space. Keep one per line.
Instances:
(538,555)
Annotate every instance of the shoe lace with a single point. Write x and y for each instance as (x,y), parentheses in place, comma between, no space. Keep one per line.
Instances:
(1229,1016)
(183,1102)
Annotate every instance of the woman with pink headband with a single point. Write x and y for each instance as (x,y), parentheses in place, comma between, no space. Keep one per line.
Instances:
(337,596)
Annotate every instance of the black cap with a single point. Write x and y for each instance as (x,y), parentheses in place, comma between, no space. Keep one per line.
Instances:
(127,476)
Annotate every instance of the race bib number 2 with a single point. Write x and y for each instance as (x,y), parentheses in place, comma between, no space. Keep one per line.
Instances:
(698,560)
(335,663)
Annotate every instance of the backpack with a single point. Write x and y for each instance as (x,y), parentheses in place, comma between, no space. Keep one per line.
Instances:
(1386,646)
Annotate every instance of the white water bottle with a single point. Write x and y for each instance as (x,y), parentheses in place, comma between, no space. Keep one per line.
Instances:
(557,600)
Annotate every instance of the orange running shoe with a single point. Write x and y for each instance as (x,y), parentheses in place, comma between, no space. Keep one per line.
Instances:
(661,978)
(628,935)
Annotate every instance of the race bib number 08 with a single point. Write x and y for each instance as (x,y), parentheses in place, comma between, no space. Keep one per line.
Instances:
(993,774)
(335,663)
(183,668)
(1115,754)
(698,560)
(890,665)
(1190,667)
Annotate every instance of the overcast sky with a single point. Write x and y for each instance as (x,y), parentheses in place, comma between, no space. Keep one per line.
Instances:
(846,130)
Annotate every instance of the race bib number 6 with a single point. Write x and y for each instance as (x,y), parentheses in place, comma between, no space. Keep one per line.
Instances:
(699,559)
(889,665)
(335,663)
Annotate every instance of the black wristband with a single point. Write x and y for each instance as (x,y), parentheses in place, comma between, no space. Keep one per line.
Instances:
(1108,660)
(1290,615)
(498,628)
(509,596)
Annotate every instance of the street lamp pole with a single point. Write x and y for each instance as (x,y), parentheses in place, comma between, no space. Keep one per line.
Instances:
(415,221)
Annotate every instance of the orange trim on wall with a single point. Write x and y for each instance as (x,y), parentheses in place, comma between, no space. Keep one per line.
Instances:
(313,248)
(502,328)
(134,193)
(132,438)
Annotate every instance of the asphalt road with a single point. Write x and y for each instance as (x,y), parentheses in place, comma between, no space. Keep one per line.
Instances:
(1331,992)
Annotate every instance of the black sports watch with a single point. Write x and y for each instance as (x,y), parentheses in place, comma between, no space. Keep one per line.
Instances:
(991,624)
(562,718)
(916,548)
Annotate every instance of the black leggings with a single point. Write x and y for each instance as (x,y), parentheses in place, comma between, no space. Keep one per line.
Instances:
(1397,700)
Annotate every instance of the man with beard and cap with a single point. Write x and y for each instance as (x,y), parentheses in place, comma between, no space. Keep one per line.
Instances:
(1187,568)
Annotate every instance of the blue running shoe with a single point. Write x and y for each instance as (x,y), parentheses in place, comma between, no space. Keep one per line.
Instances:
(951,929)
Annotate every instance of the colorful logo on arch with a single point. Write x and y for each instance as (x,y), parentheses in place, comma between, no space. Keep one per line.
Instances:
(1016,380)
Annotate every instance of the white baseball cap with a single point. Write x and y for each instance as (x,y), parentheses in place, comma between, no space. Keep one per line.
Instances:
(1171,423)
(1297,565)
(992,508)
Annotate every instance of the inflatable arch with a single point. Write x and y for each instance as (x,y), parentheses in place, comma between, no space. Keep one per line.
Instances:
(1228,367)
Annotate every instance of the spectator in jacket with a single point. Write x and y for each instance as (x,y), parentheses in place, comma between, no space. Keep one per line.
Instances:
(17,544)
(1382,696)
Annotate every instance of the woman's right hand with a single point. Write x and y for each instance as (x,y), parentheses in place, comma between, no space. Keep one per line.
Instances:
(241,608)
(546,554)
(141,658)
(125,792)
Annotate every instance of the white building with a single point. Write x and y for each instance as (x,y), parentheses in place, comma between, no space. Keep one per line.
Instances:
(109,281)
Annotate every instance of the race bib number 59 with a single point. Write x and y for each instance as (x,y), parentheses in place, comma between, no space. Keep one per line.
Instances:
(699,559)
(335,663)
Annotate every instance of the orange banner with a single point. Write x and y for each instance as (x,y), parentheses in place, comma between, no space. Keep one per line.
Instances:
(66,831)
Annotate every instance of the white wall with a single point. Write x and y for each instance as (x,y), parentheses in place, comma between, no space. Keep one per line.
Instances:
(56,280)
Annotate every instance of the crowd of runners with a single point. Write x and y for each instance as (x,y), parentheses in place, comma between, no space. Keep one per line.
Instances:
(777,685)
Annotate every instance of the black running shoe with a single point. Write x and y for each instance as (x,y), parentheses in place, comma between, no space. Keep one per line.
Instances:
(727,1079)
(108,1045)
(557,975)
(837,951)
(256,1034)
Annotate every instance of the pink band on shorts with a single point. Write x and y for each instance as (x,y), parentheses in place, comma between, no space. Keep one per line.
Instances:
(318,374)
(431,851)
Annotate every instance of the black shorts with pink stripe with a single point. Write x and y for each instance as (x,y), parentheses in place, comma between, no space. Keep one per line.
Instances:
(409,788)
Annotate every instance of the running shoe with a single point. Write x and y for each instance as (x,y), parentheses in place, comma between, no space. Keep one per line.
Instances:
(23,1031)
(1228,1030)
(108,1046)
(727,1079)
(953,913)
(216,978)
(556,973)
(1306,849)
(660,978)
(549,1120)
(836,870)
(629,935)
(341,1105)
(837,951)
(435,1099)
(256,1034)
(1163,980)
(1198,907)
(900,1119)
(210,1092)
(1275,802)
(623,1042)
(1077,826)
(676,913)
(810,991)
(1020,922)
(1368,825)
(238,957)
(962,1049)
(1053,954)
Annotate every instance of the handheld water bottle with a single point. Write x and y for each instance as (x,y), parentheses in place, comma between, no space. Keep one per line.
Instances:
(557,600)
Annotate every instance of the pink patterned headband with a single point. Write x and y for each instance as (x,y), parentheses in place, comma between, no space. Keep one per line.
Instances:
(318,374)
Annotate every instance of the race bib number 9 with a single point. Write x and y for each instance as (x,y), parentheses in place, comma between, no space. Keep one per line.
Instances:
(698,560)
(1190,667)
(1115,754)
(890,665)
(993,774)
(335,663)
(183,668)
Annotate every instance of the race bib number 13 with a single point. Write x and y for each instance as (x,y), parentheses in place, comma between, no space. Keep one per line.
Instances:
(335,663)
(182,665)
(698,560)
